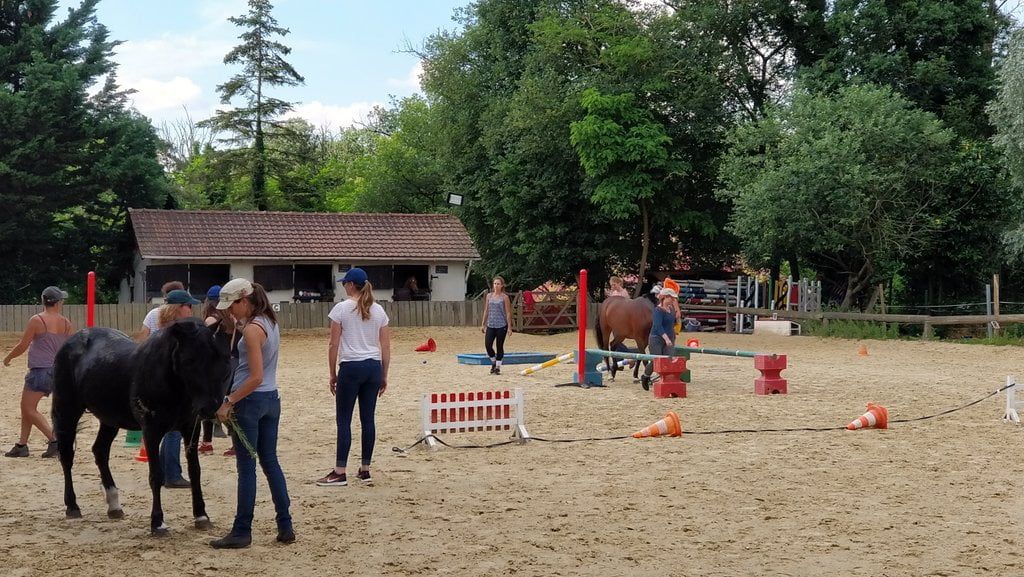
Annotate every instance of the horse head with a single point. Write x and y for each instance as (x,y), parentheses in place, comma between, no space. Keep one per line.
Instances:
(199,364)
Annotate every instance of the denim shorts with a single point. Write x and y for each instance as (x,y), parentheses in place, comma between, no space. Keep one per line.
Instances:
(40,381)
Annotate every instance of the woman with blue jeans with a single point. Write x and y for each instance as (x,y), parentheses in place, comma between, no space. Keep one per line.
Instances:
(359,335)
(257,408)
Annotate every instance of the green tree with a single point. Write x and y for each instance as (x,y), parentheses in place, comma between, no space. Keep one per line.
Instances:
(626,153)
(262,58)
(70,166)
(856,184)
(1007,114)
(403,173)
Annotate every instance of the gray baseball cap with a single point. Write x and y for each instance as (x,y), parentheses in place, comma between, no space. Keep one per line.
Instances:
(52,295)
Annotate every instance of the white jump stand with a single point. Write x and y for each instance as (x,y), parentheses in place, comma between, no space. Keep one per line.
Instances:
(1013,406)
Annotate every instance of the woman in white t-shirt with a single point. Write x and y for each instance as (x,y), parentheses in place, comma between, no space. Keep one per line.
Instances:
(359,335)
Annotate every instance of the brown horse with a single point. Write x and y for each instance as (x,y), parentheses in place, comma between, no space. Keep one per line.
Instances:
(620,319)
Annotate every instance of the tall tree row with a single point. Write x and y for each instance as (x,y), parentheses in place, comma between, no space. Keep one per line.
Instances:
(70,165)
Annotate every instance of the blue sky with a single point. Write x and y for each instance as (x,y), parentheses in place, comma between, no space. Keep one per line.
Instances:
(348,51)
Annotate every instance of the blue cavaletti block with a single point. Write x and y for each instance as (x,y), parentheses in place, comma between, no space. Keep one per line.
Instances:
(591,377)
(510,358)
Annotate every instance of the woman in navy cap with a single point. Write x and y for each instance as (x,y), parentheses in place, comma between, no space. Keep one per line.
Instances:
(223,327)
(360,337)
(43,337)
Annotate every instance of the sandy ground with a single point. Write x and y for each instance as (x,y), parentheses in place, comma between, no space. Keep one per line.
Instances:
(937,497)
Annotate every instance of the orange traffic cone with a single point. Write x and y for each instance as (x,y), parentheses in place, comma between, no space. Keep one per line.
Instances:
(863,351)
(142,457)
(427,347)
(670,426)
(693,343)
(877,417)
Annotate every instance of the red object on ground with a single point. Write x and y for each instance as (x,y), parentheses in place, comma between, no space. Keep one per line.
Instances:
(770,382)
(427,347)
(670,385)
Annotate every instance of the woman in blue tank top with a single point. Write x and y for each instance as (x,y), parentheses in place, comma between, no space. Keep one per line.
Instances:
(43,337)
(496,325)
(257,407)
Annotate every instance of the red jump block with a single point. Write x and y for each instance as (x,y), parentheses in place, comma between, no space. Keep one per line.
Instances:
(770,382)
(670,384)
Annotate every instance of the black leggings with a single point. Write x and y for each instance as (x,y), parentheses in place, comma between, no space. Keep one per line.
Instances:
(489,338)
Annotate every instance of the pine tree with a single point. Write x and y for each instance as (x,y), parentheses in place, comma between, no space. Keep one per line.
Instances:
(263,65)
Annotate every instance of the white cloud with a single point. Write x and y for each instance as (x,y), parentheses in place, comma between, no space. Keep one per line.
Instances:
(170,55)
(155,96)
(319,114)
(410,82)
(217,11)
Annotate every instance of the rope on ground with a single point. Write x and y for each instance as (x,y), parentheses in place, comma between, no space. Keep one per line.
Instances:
(424,438)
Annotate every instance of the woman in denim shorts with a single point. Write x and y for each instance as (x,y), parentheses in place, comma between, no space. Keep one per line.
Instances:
(44,336)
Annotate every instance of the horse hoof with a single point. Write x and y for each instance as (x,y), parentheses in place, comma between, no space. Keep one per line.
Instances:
(116,514)
(204,524)
(163,531)
(73,514)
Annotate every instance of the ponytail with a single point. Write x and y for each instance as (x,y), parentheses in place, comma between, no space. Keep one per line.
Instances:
(365,300)
(261,303)
(167,315)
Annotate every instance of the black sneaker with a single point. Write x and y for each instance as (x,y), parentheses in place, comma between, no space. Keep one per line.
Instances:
(17,451)
(497,370)
(645,382)
(178,484)
(493,368)
(51,450)
(232,541)
(333,480)
(365,477)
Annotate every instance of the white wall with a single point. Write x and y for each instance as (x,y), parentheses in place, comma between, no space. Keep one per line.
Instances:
(450,286)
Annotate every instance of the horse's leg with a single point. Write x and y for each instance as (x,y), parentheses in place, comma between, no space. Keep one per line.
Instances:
(641,346)
(151,436)
(616,341)
(65,428)
(190,434)
(101,451)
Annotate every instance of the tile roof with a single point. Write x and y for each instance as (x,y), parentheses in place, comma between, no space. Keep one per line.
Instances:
(215,234)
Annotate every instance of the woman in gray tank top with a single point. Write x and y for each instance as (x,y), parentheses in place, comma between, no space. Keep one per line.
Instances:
(43,337)
(496,325)
(254,401)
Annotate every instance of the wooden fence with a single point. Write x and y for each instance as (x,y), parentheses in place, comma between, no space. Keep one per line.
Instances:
(927,322)
(128,318)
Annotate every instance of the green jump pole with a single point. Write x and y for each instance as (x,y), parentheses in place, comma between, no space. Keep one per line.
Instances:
(723,352)
(634,356)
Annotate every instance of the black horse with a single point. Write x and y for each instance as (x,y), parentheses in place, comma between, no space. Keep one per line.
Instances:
(171,382)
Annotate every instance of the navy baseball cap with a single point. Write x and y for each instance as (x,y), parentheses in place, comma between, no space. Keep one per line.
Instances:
(354,275)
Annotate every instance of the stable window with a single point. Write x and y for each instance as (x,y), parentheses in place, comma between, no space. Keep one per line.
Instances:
(314,280)
(203,276)
(158,275)
(274,277)
(380,276)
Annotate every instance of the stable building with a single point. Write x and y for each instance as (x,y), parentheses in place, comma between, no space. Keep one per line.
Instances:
(299,256)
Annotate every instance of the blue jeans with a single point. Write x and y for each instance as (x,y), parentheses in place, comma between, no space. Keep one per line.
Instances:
(259,415)
(170,456)
(357,380)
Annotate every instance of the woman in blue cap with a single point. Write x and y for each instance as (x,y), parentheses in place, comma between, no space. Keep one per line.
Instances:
(44,335)
(223,327)
(177,305)
(360,337)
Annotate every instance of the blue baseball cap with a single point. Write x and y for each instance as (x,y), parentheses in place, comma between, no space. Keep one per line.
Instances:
(354,275)
(180,297)
(213,293)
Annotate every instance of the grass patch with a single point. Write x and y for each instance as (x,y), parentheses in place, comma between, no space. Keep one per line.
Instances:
(842,329)
(1001,340)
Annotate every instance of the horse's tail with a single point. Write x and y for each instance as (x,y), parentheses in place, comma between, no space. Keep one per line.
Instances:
(65,392)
